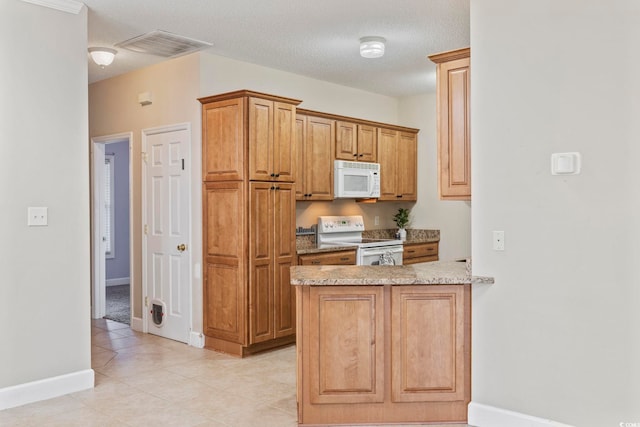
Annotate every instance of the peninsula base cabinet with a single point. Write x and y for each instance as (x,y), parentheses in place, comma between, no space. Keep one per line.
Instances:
(383,354)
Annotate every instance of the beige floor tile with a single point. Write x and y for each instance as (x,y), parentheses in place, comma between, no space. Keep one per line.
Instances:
(258,415)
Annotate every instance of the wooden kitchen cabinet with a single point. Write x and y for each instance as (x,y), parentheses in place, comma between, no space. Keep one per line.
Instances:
(397,155)
(271,253)
(356,142)
(315,137)
(328,258)
(383,354)
(454,132)
(249,165)
(419,252)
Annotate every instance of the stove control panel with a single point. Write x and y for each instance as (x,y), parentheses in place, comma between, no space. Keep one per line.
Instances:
(340,224)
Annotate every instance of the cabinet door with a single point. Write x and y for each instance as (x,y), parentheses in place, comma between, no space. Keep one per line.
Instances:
(346,344)
(454,129)
(284,256)
(346,141)
(301,136)
(261,262)
(260,139)
(367,143)
(285,158)
(428,330)
(224,293)
(223,157)
(407,167)
(388,159)
(319,154)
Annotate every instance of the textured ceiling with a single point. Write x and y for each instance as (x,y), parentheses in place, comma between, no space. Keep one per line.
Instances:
(318,39)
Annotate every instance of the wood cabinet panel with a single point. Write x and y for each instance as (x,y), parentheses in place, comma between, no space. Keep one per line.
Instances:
(407,178)
(420,252)
(397,155)
(224,315)
(223,140)
(346,355)
(317,157)
(284,257)
(285,163)
(260,139)
(300,138)
(388,159)
(454,128)
(428,348)
(346,141)
(328,258)
(367,143)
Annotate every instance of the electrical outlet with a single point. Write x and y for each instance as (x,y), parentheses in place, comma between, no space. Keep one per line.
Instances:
(498,240)
(376,220)
(37,216)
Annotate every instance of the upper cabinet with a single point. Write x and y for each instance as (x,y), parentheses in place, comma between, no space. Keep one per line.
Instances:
(397,155)
(315,138)
(356,142)
(248,135)
(454,134)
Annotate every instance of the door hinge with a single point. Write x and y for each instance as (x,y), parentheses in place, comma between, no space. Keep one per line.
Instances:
(146,301)
(146,229)
(144,156)
(182,164)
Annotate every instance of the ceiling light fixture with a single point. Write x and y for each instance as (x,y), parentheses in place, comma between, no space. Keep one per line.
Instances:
(372,47)
(102,56)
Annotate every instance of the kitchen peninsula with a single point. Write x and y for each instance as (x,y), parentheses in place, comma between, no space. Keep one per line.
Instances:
(383,344)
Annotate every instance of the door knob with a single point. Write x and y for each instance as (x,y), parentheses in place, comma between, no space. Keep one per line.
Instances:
(182,247)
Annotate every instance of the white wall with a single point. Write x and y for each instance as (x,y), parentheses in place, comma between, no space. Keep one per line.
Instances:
(557,335)
(44,284)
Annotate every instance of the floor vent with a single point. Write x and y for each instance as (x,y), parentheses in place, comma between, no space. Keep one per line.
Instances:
(162,43)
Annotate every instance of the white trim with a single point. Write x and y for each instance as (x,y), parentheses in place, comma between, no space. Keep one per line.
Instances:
(118,281)
(196,339)
(69,6)
(137,323)
(480,415)
(48,388)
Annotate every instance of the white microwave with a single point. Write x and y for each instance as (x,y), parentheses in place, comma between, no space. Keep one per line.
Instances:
(356,179)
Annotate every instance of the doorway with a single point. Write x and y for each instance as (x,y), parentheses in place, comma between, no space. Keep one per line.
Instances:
(111,224)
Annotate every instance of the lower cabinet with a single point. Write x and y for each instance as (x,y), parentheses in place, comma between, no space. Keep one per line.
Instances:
(328,258)
(419,252)
(249,304)
(383,354)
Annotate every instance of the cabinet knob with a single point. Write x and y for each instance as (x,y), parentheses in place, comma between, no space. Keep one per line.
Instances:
(344,258)
(360,155)
(273,175)
(277,175)
(399,196)
(273,188)
(355,155)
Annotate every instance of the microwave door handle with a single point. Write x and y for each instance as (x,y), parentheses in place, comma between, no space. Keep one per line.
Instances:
(371,178)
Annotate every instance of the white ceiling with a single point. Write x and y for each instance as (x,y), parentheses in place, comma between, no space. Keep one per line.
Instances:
(318,39)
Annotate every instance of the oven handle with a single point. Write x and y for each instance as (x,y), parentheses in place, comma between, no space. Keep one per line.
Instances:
(382,251)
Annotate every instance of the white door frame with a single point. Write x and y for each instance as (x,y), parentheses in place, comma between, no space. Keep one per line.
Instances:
(145,134)
(98,281)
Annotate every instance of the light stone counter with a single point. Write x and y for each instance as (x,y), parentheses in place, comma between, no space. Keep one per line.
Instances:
(428,273)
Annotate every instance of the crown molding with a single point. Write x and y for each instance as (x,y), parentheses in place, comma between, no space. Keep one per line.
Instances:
(69,6)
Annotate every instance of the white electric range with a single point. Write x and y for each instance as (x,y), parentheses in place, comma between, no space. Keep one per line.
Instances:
(347,231)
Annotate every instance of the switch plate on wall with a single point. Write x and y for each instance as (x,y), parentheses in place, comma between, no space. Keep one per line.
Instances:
(376,220)
(498,240)
(37,216)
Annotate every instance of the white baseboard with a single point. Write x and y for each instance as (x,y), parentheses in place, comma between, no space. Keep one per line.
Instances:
(118,281)
(196,339)
(48,388)
(480,415)
(136,324)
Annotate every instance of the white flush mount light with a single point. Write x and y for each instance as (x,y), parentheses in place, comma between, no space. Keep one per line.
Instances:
(372,47)
(102,56)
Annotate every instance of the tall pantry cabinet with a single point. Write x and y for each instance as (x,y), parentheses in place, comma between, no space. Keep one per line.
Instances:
(249,164)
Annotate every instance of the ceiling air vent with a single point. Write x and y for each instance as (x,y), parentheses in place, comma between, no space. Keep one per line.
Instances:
(162,43)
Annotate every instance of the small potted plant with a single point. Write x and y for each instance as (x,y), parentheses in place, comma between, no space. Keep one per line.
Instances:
(402,219)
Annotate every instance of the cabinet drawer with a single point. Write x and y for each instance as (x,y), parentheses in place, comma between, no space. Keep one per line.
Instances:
(328,258)
(420,250)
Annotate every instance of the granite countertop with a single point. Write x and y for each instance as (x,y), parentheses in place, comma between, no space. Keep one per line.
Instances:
(306,244)
(428,273)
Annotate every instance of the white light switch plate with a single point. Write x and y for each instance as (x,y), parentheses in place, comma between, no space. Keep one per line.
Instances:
(37,216)
(566,163)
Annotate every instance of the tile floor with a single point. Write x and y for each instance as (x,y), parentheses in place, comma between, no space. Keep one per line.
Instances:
(144,380)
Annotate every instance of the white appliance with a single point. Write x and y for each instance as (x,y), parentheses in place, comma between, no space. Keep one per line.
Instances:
(347,231)
(356,179)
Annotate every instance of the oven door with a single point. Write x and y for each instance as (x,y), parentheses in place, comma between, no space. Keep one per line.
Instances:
(381,255)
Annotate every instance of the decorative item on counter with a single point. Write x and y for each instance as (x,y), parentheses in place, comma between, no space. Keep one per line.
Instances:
(402,219)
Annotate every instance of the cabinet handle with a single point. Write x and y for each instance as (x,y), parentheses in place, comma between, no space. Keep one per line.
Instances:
(410,252)
(315,261)
(399,195)
(344,258)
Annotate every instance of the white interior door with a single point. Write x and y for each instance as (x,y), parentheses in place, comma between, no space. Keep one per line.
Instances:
(99,243)
(167,231)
